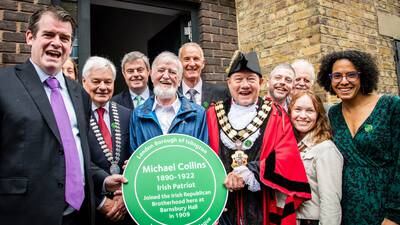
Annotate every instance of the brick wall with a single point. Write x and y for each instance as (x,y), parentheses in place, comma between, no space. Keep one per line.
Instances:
(14,17)
(218,36)
(283,30)
(217,26)
(356,27)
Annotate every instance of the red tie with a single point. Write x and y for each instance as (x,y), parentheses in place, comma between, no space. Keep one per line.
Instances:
(103,128)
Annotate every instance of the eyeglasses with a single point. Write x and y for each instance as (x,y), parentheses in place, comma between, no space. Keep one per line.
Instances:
(350,76)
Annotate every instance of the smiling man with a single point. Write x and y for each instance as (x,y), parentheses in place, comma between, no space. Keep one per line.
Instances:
(254,139)
(280,84)
(193,87)
(46,174)
(136,71)
(167,111)
(305,76)
(108,134)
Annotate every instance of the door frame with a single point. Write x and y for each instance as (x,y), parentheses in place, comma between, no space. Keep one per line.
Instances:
(84,18)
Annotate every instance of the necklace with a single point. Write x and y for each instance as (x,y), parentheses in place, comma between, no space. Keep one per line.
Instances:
(114,168)
(239,136)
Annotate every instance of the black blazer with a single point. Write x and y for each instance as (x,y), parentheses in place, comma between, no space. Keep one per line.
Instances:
(211,93)
(101,161)
(32,164)
(124,98)
(97,153)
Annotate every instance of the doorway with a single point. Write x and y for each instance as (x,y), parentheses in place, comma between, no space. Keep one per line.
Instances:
(117,28)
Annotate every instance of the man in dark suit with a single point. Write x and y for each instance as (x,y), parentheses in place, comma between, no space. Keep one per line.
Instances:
(203,93)
(108,133)
(45,169)
(136,70)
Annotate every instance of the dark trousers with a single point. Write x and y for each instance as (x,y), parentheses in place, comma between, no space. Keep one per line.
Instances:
(71,219)
(309,222)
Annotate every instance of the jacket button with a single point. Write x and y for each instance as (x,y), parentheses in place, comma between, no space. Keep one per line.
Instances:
(60,185)
(61,152)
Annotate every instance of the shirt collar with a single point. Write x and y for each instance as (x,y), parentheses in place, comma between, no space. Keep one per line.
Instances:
(307,140)
(145,94)
(175,105)
(106,106)
(197,87)
(43,76)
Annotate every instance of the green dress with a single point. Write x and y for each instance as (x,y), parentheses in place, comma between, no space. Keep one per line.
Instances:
(371,172)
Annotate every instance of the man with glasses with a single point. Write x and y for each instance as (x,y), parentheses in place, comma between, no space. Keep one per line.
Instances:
(280,84)
(167,111)
(135,67)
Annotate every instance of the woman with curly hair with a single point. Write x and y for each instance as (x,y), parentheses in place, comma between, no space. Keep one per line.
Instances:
(322,160)
(366,130)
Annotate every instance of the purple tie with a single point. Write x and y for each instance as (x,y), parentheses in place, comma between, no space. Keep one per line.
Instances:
(74,193)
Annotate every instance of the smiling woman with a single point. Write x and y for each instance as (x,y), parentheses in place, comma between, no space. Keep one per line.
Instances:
(366,131)
(321,158)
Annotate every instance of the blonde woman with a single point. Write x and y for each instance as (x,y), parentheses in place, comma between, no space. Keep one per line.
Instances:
(322,161)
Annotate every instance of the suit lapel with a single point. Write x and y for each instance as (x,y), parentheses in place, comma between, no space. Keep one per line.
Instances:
(30,79)
(128,99)
(75,94)
(205,94)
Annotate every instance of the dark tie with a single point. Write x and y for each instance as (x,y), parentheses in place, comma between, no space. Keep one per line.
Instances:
(103,128)
(74,193)
(192,92)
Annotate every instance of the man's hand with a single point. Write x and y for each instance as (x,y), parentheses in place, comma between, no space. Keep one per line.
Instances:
(234,182)
(113,182)
(120,202)
(113,209)
(124,166)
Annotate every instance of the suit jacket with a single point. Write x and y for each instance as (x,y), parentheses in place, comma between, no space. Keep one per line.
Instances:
(124,98)
(97,153)
(211,93)
(32,164)
(100,159)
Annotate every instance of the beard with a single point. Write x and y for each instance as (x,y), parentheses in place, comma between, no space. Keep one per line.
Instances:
(164,93)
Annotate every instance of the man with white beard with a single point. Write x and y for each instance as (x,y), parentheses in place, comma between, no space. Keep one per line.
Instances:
(167,111)
(280,84)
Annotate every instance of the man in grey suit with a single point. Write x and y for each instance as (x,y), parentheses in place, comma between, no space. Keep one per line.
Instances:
(193,87)
(45,168)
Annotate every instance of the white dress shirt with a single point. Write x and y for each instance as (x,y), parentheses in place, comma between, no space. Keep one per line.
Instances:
(106,115)
(323,163)
(197,87)
(71,114)
(166,114)
(239,117)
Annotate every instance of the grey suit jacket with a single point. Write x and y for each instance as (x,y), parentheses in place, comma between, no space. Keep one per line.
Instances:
(32,164)
(211,93)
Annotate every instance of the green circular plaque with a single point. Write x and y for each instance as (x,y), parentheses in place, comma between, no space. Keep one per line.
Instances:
(174,179)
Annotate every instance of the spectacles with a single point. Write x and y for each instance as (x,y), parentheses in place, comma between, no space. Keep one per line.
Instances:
(350,76)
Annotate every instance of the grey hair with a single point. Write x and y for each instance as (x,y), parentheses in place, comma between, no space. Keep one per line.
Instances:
(168,57)
(97,62)
(191,44)
(133,56)
(306,66)
(285,66)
